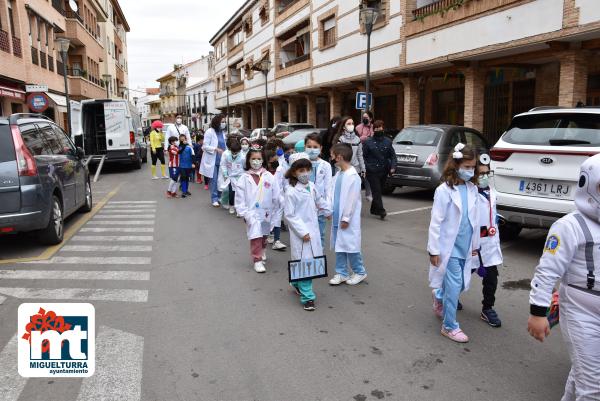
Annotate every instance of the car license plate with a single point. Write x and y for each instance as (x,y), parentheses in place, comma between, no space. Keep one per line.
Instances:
(405,158)
(549,189)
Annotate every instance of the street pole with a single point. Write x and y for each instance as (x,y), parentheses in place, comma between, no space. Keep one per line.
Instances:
(266,99)
(64,57)
(368,78)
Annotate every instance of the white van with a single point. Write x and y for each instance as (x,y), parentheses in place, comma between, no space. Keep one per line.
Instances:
(109,127)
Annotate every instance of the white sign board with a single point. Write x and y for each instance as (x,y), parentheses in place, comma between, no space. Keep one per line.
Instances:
(36,88)
(115,118)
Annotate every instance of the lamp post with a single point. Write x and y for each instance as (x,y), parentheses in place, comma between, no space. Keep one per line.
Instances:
(368,16)
(107,80)
(63,46)
(265,66)
(227,87)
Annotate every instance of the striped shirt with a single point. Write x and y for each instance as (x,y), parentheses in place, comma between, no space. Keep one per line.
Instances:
(173,156)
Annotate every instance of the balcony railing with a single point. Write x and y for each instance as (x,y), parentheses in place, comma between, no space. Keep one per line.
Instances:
(34,56)
(17,50)
(51,63)
(43,60)
(73,15)
(4,42)
(58,6)
(77,72)
(434,8)
(295,61)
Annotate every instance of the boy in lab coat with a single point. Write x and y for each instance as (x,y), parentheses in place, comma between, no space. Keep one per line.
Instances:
(345,227)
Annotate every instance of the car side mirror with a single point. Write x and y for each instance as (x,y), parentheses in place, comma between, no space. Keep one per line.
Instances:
(80,152)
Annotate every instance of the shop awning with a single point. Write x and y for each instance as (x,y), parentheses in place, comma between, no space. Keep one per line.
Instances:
(59,100)
(12,93)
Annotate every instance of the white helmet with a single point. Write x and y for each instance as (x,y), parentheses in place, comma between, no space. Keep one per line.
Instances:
(587,194)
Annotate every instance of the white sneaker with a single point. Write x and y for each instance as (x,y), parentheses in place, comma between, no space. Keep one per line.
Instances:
(279,246)
(356,278)
(231,210)
(226,207)
(164,177)
(338,279)
(259,267)
(154,177)
(216,204)
(370,198)
(264,256)
(270,239)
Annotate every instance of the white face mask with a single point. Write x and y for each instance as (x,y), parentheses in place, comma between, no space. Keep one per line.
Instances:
(223,126)
(483,181)
(256,164)
(179,121)
(350,129)
(245,147)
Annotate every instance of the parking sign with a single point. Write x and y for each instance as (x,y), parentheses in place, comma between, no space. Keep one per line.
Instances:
(361,100)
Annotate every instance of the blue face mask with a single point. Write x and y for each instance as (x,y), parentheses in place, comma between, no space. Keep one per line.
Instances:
(287,157)
(465,174)
(279,152)
(313,154)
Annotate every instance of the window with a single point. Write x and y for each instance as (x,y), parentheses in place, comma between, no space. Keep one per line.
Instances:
(236,37)
(264,13)
(328,29)
(247,25)
(66,146)
(34,140)
(382,7)
(577,129)
(295,46)
(283,4)
(11,19)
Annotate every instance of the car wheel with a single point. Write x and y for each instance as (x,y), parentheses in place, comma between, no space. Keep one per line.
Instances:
(388,188)
(137,164)
(53,233)
(88,205)
(510,231)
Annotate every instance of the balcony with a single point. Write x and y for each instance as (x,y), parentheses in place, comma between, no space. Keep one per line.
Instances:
(17,50)
(4,41)
(79,35)
(84,88)
(58,6)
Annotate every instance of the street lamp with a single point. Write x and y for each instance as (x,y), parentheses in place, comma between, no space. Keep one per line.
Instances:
(368,16)
(227,87)
(63,46)
(265,66)
(107,80)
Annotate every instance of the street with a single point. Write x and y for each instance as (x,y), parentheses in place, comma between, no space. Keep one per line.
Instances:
(181,315)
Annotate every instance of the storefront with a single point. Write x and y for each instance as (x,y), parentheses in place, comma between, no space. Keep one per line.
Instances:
(12,99)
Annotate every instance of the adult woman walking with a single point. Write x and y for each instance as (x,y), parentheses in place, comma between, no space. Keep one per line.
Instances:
(365,130)
(347,134)
(380,161)
(213,148)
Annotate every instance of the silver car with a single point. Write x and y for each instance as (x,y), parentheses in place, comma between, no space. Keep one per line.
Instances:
(422,152)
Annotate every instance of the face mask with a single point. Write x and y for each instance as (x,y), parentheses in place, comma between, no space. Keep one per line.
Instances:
(333,125)
(378,133)
(179,121)
(274,165)
(484,181)
(365,121)
(256,164)
(280,152)
(313,154)
(223,126)
(304,178)
(245,147)
(350,129)
(465,174)
(287,157)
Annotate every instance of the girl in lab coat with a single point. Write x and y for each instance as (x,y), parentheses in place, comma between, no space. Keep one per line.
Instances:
(232,168)
(302,206)
(256,200)
(453,237)
(278,172)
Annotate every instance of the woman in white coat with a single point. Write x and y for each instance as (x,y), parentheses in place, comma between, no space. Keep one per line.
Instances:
(453,238)
(302,206)
(257,200)
(213,148)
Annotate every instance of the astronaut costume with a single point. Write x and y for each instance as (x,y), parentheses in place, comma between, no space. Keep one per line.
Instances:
(572,255)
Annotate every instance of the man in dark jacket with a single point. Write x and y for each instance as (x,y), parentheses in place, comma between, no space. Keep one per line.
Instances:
(380,161)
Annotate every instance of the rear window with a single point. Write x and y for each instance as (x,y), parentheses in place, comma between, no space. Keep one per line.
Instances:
(294,127)
(7,149)
(418,136)
(556,129)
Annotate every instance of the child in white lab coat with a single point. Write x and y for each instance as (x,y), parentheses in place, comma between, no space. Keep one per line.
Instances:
(256,200)
(302,205)
(320,175)
(490,253)
(278,172)
(345,225)
(232,169)
(453,237)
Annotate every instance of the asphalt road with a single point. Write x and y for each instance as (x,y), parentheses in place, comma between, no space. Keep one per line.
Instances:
(182,315)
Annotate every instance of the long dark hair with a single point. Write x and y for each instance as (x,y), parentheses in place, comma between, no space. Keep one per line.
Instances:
(341,126)
(215,123)
(253,151)
(297,165)
(450,174)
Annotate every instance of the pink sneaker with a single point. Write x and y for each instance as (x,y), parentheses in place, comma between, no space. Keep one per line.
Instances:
(437,305)
(206,187)
(455,335)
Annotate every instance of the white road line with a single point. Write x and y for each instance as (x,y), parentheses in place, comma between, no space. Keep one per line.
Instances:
(126,209)
(87,294)
(124,216)
(101,260)
(122,223)
(11,383)
(73,275)
(118,376)
(121,211)
(409,211)
(117,230)
(2,299)
(111,238)
(106,248)
(128,202)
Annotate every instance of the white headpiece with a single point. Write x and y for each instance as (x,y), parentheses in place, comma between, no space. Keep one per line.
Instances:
(297,156)
(587,194)
(457,151)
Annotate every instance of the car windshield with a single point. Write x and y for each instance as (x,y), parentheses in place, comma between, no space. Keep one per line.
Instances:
(418,136)
(294,127)
(556,129)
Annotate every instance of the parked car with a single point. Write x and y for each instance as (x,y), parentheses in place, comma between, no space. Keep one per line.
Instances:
(536,164)
(282,130)
(300,134)
(43,178)
(422,152)
(112,128)
(259,133)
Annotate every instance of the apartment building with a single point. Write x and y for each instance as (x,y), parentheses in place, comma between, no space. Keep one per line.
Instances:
(143,103)
(29,54)
(467,62)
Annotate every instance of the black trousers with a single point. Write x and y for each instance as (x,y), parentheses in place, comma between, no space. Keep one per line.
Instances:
(158,154)
(231,196)
(490,283)
(377,180)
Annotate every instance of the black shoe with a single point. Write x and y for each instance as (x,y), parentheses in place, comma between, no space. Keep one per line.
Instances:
(188,194)
(491,317)
(310,306)
(183,195)
(459,306)
(382,215)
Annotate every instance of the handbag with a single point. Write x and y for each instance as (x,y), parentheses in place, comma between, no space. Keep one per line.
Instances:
(307,269)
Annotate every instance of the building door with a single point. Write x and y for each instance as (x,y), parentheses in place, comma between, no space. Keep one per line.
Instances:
(495,111)
(285,115)
(449,106)
(523,96)
(322,111)
(386,110)
(593,92)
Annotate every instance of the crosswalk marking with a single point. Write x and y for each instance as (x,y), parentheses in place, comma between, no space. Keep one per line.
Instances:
(106,248)
(130,206)
(73,275)
(82,294)
(126,211)
(124,216)
(110,238)
(117,229)
(11,383)
(133,202)
(118,376)
(102,260)
(122,223)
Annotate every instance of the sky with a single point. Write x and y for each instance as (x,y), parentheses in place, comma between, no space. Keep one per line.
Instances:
(166,33)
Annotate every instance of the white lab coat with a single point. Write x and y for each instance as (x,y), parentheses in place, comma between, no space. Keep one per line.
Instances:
(491,253)
(176,130)
(266,195)
(564,259)
(323,182)
(231,170)
(443,229)
(348,240)
(283,185)
(302,204)
(209,154)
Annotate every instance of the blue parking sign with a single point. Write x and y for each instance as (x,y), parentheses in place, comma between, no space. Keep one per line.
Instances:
(361,100)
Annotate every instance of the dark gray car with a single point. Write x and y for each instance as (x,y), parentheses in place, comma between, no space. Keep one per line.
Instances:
(43,178)
(422,152)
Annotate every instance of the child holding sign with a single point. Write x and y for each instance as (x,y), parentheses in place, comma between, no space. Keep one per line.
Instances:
(302,206)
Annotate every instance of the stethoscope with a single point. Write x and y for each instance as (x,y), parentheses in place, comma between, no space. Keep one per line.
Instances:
(485,160)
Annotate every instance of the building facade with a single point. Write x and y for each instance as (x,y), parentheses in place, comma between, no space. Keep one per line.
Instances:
(142,104)
(30,55)
(427,65)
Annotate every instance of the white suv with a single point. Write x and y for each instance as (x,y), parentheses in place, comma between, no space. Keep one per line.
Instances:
(536,164)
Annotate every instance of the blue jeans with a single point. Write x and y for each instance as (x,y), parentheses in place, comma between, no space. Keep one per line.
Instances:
(452,286)
(322,225)
(276,233)
(344,261)
(215,194)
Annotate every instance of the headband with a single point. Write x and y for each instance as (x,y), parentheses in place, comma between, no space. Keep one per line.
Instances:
(457,151)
